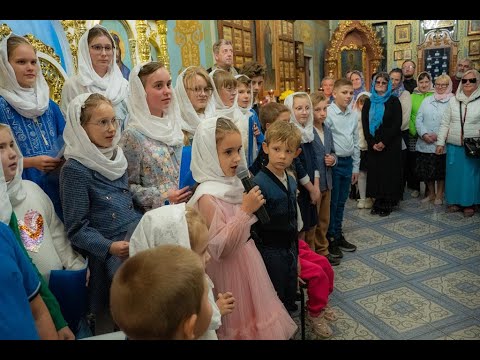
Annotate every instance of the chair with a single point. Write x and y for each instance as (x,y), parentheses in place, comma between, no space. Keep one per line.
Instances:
(69,287)
(301,298)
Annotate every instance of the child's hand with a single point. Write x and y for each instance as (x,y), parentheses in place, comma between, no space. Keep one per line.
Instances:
(329,160)
(253,200)
(179,196)
(314,195)
(225,303)
(256,130)
(120,248)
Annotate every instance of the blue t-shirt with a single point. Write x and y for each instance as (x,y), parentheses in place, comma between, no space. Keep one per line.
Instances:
(20,284)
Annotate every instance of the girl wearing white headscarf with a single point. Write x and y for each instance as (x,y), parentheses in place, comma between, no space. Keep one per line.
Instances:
(153,140)
(194,91)
(236,264)
(97,204)
(178,225)
(308,175)
(244,103)
(36,121)
(98,72)
(41,231)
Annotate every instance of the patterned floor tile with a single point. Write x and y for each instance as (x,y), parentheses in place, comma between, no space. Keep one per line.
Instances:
(365,215)
(348,223)
(457,245)
(462,286)
(411,228)
(469,333)
(403,309)
(366,238)
(408,260)
(453,219)
(476,231)
(354,274)
(347,328)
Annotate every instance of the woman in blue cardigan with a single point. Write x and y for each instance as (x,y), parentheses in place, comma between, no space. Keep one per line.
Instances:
(97,204)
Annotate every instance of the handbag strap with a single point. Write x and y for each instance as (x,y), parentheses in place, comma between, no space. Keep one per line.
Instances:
(461,123)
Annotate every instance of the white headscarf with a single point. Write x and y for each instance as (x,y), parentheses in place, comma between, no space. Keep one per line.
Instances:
(160,226)
(79,147)
(165,129)
(206,168)
(354,105)
(5,206)
(307,131)
(28,102)
(15,189)
(190,117)
(112,85)
(242,116)
(220,108)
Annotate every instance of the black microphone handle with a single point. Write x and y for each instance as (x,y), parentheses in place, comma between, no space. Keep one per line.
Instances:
(261,213)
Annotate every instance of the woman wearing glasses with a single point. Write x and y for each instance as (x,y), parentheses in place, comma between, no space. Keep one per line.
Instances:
(431,167)
(462,179)
(193,91)
(97,204)
(381,121)
(97,73)
(153,140)
(36,121)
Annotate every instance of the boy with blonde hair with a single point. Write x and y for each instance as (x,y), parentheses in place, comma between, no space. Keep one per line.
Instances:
(161,294)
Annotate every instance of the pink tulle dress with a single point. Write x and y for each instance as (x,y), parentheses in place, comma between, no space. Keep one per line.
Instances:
(237,266)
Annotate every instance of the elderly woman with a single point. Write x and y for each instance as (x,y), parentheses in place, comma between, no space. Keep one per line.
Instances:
(462,180)
(381,121)
(430,166)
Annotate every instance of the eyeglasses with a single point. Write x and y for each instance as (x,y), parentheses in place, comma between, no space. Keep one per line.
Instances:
(231,90)
(408,67)
(105,124)
(198,91)
(472,81)
(443,86)
(378,82)
(99,48)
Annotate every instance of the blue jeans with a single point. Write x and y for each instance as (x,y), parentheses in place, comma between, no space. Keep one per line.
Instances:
(341,181)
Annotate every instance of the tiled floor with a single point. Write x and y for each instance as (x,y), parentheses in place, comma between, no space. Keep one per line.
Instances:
(415,275)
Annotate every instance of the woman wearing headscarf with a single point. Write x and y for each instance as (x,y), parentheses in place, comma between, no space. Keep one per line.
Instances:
(98,73)
(462,179)
(35,120)
(153,140)
(430,166)
(381,121)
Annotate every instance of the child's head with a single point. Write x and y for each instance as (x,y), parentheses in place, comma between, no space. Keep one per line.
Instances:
(343,93)
(8,153)
(272,112)
(198,86)
(282,142)
(320,105)
(301,108)
(229,145)
(198,233)
(22,57)
(256,72)
(161,294)
(97,117)
(244,89)
(226,85)
(360,101)
(157,82)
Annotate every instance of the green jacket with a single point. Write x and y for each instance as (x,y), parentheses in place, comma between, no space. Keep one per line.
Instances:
(417,98)
(47,296)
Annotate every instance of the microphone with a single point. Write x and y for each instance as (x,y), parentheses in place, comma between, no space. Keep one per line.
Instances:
(248,184)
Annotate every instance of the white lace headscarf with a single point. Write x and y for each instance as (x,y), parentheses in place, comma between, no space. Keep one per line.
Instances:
(16,192)
(112,85)
(28,102)
(242,116)
(165,129)
(160,226)
(190,117)
(206,168)
(307,131)
(110,162)
(220,108)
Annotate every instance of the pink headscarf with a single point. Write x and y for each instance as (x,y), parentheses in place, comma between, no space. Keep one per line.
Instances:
(447,94)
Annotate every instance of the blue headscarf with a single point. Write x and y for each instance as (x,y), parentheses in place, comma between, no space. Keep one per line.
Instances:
(377,106)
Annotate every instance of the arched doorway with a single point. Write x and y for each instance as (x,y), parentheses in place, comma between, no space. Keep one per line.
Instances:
(354,46)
